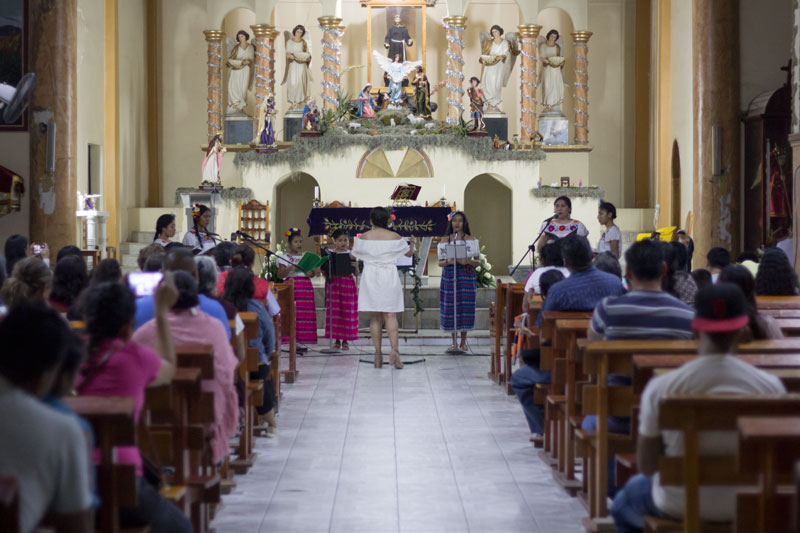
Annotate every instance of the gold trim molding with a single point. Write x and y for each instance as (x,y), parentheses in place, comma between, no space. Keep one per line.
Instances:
(530,30)
(214,36)
(330,22)
(581,36)
(459,21)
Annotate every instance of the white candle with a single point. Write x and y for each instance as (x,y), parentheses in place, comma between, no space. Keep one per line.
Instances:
(316,193)
(444,193)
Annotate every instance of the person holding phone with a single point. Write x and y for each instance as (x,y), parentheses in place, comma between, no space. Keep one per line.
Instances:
(461,306)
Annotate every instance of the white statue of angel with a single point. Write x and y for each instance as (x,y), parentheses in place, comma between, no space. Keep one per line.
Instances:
(239,61)
(552,72)
(297,73)
(396,71)
(498,55)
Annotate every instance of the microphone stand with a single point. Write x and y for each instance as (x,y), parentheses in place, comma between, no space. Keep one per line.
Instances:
(532,246)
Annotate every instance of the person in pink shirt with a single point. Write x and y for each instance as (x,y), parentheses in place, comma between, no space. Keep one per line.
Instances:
(119,366)
(190,325)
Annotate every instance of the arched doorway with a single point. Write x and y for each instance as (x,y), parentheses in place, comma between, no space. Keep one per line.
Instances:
(293,199)
(487,203)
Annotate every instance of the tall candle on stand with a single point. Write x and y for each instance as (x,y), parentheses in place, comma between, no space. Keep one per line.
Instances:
(316,193)
(444,194)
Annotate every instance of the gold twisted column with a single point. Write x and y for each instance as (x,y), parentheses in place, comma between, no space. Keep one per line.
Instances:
(528,81)
(454,27)
(332,32)
(264,42)
(580,94)
(214,39)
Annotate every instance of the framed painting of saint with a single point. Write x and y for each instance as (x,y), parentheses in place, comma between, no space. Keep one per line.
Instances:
(13,51)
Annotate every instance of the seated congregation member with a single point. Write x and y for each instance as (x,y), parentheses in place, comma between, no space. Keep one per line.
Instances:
(240,291)
(154,251)
(677,281)
(17,249)
(244,256)
(67,251)
(207,284)
(682,237)
(611,239)
(30,281)
(775,277)
(608,262)
(106,271)
(180,259)
(702,278)
(552,259)
(525,378)
(120,366)
(222,255)
(561,224)
(70,278)
(718,258)
(3,277)
(760,326)
(721,316)
(165,229)
(749,260)
(43,449)
(585,287)
(190,325)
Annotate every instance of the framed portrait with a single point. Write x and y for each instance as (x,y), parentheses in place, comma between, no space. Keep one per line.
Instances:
(13,51)
(394,27)
(565,181)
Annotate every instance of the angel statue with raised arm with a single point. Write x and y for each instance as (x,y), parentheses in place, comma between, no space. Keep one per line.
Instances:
(552,72)
(397,71)
(239,61)
(297,73)
(498,55)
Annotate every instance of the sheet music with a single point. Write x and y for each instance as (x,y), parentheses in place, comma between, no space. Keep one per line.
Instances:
(473,249)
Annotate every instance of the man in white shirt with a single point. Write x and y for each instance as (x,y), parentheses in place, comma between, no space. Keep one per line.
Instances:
(721,314)
(551,260)
(43,449)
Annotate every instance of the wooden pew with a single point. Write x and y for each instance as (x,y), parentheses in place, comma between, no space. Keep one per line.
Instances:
(693,415)
(497,313)
(515,293)
(288,322)
(768,448)
(789,326)
(111,419)
(253,396)
(601,358)
(778,302)
(781,313)
(9,503)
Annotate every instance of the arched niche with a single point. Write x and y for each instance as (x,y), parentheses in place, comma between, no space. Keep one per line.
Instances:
(487,203)
(409,163)
(293,198)
(555,18)
(239,18)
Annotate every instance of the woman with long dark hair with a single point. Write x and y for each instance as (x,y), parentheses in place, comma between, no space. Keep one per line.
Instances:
(561,224)
(69,280)
(760,326)
(198,238)
(678,282)
(457,311)
(165,229)
(380,292)
(775,276)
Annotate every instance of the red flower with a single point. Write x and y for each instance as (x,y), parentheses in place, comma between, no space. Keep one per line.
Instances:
(561,228)
(394,218)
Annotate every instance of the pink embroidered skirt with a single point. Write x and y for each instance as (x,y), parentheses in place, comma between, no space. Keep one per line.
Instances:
(306,312)
(342,308)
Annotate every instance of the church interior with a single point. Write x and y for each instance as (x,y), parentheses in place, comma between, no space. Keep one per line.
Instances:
(287,118)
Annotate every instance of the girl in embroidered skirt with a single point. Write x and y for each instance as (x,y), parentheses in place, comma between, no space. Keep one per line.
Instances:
(342,298)
(306,311)
(463,304)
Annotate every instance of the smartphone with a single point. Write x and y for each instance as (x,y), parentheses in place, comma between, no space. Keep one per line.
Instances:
(37,249)
(144,283)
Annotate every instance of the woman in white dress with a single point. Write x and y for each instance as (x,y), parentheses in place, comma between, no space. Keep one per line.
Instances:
(239,79)
(298,59)
(498,55)
(552,73)
(380,292)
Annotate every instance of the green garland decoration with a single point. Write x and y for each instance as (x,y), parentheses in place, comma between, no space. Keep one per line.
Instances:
(415,292)
(231,194)
(546,191)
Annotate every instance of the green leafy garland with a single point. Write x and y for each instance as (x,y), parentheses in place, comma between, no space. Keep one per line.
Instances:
(415,292)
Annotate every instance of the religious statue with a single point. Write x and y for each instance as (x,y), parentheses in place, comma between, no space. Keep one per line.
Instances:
(476,104)
(311,115)
(422,93)
(397,71)
(298,60)
(213,160)
(366,105)
(552,72)
(239,61)
(396,40)
(498,55)
(265,126)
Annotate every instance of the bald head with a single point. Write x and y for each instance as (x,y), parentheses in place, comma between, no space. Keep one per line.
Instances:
(180,259)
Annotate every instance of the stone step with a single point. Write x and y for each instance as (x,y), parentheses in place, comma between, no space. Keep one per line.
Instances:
(129,261)
(143,237)
(428,319)
(131,248)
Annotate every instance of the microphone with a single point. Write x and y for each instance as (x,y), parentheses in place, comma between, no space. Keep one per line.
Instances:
(244,235)
(551,217)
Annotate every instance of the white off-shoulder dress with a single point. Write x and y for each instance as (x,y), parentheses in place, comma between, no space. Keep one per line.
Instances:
(380,290)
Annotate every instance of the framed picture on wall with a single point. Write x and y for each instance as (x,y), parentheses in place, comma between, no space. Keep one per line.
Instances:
(13,51)
(565,181)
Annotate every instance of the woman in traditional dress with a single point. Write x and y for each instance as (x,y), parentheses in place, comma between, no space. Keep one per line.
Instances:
(380,292)
(561,224)
(239,79)
(341,313)
(462,303)
(296,75)
(267,136)
(165,229)
(306,309)
(366,105)
(213,160)
(552,72)
(422,94)
(199,238)
(498,55)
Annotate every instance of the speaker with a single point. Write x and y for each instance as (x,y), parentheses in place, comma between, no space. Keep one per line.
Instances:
(50,160)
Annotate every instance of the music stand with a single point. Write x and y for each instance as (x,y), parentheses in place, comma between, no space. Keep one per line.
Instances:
(455,251)
(338,265)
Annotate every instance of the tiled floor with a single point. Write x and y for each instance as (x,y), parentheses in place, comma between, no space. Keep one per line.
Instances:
(431,448)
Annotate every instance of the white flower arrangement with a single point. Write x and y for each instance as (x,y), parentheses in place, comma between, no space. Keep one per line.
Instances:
(483,274)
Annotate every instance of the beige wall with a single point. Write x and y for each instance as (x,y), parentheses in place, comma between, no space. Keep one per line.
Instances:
(488,204)
(765,32)
(681,92)
(14,155)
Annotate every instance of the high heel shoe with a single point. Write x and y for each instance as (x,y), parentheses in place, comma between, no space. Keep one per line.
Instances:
(378,360)
(394,358)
